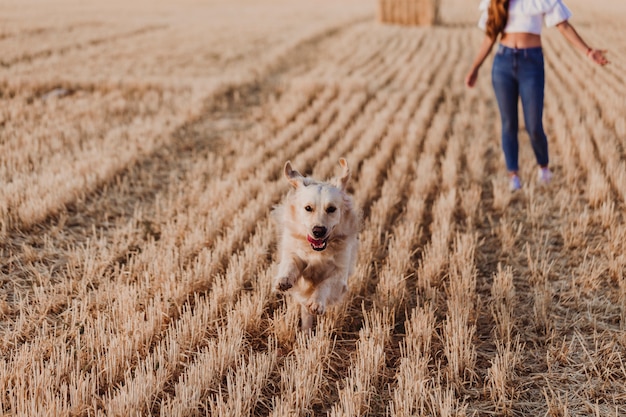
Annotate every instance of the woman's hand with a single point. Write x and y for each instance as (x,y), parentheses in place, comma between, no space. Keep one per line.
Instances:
(597,56)
(470,79)
(568,31)
(485,49)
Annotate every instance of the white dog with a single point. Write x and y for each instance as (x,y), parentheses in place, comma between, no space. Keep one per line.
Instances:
(318,226)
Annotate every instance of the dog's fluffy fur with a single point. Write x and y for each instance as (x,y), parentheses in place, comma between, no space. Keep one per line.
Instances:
(318,241)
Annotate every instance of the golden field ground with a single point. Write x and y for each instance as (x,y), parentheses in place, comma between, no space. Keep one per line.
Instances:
(141,152)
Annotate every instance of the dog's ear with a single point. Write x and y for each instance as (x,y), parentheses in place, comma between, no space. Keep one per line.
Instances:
(293,176)
(344,178)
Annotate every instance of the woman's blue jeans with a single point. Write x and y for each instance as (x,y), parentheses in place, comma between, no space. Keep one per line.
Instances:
(519,73)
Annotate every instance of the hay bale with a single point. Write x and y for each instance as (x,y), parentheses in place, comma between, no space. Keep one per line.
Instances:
(409,12)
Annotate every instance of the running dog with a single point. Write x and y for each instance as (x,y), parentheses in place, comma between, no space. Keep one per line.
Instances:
(318,241)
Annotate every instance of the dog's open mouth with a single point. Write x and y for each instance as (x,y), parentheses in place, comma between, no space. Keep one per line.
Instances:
(317,244)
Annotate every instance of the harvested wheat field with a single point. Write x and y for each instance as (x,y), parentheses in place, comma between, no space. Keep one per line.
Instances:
(141,152)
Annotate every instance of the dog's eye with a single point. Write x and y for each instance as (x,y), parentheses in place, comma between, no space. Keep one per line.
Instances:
(331,209)
(308,208)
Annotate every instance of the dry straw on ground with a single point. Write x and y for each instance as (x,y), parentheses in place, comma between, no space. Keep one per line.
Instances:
(141,152)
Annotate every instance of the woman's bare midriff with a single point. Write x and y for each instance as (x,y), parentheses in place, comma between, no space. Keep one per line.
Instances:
(521,40)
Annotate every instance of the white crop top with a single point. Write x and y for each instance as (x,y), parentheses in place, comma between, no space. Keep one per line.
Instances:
(527,16)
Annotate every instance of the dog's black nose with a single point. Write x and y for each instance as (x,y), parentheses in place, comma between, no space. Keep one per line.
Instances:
(319,231)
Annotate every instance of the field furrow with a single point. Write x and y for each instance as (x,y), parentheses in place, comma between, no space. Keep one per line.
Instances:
(56,49)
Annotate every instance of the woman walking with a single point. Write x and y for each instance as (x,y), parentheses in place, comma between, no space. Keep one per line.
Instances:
(518,70)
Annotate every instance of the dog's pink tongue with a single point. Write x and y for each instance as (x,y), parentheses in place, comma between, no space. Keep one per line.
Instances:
(316,242)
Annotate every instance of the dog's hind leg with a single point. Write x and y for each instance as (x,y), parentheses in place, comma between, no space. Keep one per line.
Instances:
(328,292)
(306,317)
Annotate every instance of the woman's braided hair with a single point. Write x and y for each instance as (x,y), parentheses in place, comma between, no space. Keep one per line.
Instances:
(497,15)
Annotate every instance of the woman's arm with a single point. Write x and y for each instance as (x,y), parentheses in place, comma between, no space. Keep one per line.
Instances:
(568,31)
(483,52)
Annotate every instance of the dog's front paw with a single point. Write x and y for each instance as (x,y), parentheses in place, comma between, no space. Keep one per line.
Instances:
(316,307)
(283,284)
